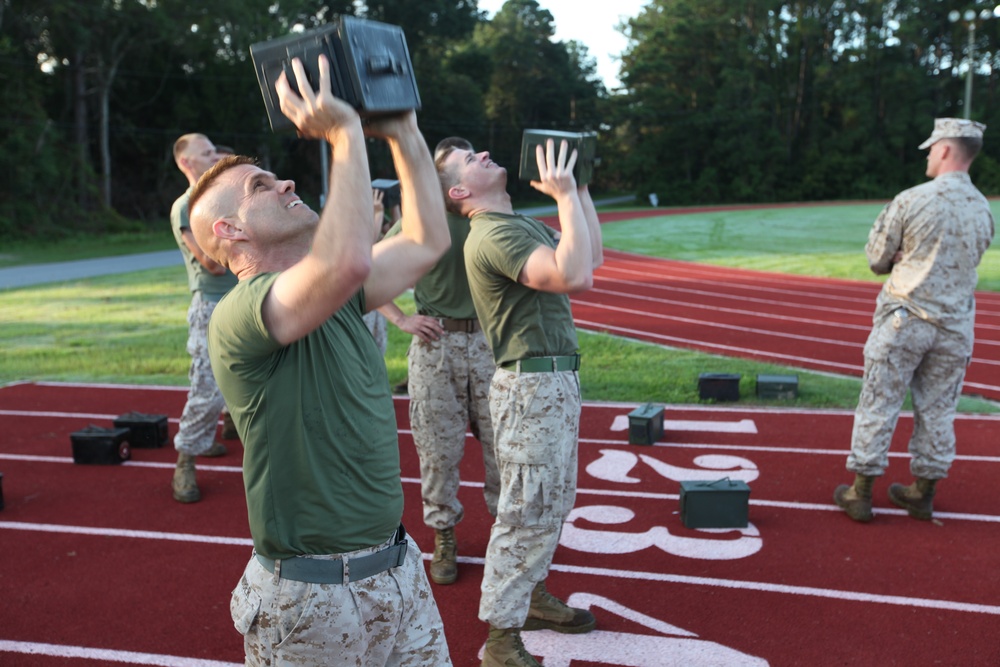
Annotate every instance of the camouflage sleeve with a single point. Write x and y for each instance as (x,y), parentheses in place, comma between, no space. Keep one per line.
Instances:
(984,243)
(885,237)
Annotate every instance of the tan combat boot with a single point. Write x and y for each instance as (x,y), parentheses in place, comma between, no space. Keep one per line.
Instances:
(505,649)
(917,498)
(216,450)
(184,484)
(856,499)
(444,565)
(547,612)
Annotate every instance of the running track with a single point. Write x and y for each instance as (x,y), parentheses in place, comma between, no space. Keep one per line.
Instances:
(102,567)
(818,324)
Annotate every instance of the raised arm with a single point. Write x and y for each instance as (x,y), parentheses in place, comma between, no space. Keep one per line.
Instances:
(398,262)
(339,258)
(570,266)
(593,225)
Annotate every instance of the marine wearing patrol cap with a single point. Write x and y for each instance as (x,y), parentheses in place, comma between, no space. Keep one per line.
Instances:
(946,128)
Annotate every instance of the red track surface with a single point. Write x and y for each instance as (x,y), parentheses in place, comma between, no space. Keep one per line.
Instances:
(811,323)
(101,566)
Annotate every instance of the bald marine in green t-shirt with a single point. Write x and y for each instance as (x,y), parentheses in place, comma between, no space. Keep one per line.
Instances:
(333,579)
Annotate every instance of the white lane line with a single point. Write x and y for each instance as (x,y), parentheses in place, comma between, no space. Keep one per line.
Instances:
(620,423)
(752,330)
(765,587)
(727,327)
(118,532)
(805,362)
(718,309)
(810,591)
(749,448)
(753,281)
(108,655)
(733,297)
(100,385)
(807,591)
(65,415)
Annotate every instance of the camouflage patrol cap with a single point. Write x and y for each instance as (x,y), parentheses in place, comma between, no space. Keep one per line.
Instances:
(945,128)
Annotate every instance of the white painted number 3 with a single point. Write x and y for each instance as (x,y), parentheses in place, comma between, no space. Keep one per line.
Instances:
(617,542)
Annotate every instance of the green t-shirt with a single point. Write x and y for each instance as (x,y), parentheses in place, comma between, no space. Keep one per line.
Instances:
(518,321)
(200,279)
(321,455)
(444,290)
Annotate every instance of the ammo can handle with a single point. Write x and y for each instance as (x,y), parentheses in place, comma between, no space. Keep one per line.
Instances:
(384,64)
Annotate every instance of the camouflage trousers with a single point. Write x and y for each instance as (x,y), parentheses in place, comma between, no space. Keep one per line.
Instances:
(200,417)
(375,321)
(904,352)
(536,421)
(449,386)
(389,618)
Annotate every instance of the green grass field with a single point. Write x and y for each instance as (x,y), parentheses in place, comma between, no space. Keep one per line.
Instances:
(826,241)
(132,328)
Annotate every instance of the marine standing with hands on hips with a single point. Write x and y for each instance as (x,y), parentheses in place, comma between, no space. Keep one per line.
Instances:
(450,366)
(334,579)
(929,239)
(521,273)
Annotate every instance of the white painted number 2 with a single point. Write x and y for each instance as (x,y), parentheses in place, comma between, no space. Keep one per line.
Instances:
(666,646)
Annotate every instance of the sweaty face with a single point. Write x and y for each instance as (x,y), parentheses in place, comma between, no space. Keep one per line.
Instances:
(270,205)
(476,172)
(257,206)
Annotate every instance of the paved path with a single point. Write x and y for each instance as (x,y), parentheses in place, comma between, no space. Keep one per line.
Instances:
(38,274)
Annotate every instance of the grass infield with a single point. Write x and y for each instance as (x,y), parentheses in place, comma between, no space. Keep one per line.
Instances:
(132,328)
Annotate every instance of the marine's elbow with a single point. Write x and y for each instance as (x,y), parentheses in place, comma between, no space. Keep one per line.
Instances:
(443,245)
(581,284)
(356,269)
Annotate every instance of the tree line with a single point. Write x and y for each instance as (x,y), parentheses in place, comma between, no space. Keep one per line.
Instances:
(721,100)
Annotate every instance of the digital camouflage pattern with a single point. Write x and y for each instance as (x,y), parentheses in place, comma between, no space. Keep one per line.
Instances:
(200,417)
(449,382)
(923,324)
(927,360)
(375,321)
(942,227)
(536,418)
(387,619)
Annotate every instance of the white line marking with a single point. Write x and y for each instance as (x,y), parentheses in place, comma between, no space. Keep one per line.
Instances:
(64,415)
(805,362)
(727,327)
(735,311)
(117,532)
(757,409)
(732,327)
(600,572)
(108,655)
(809,591)
(866,302)
(620,423)
(753,281)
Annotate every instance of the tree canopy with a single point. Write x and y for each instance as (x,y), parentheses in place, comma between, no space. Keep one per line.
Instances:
(720,101)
